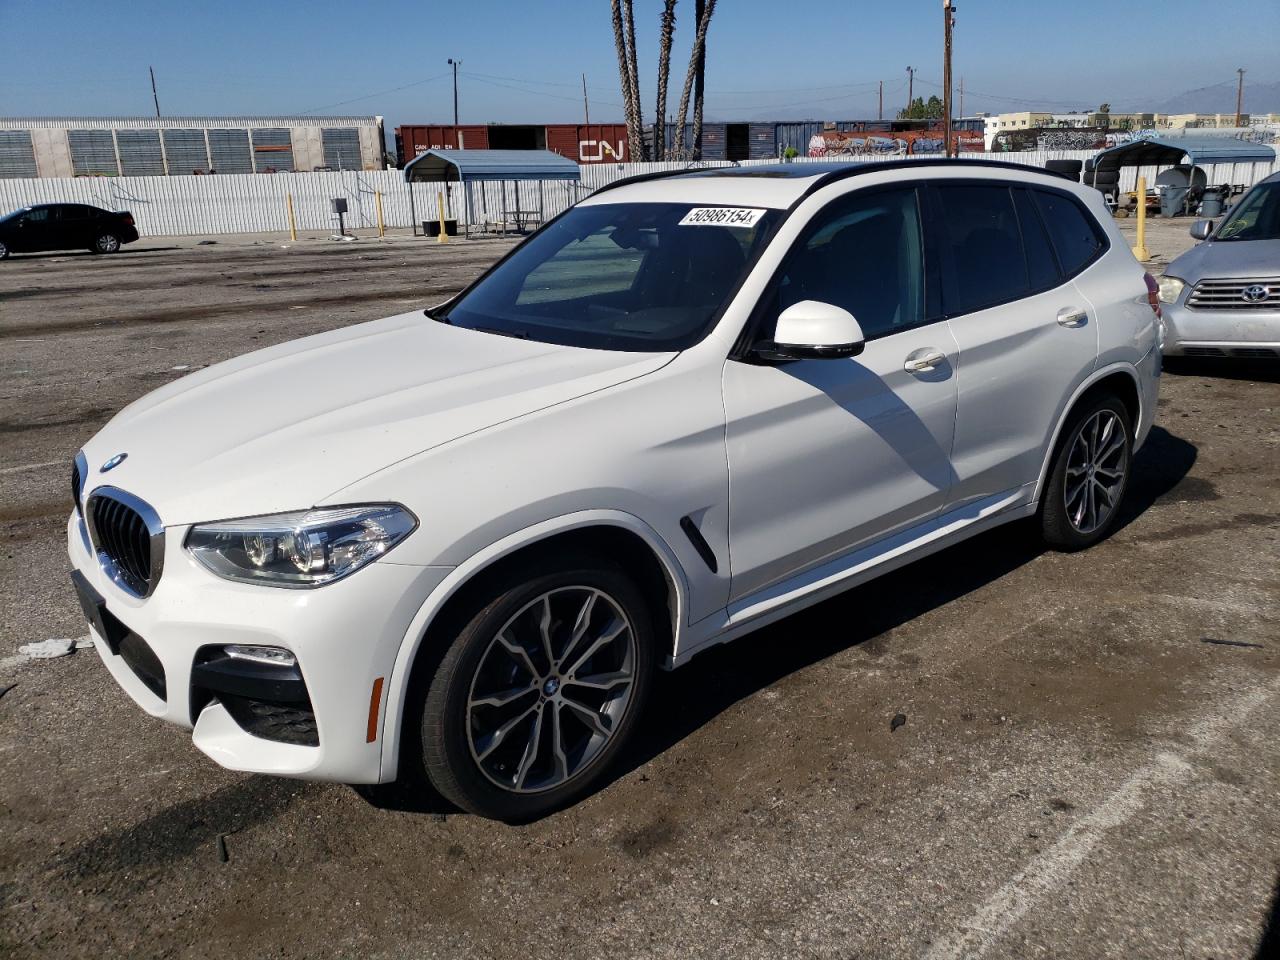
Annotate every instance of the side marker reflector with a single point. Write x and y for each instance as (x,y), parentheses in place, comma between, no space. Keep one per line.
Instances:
(375,701)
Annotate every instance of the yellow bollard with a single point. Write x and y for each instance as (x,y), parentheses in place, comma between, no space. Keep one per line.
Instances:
(1140,250)
(377,202)
(293,224)
(443,238)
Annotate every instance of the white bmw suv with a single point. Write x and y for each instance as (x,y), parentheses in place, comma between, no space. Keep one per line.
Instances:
(452,548)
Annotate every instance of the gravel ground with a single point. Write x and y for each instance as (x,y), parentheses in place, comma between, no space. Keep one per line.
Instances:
(1088,768)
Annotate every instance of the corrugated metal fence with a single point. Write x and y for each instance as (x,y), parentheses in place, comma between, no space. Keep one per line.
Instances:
(253,203)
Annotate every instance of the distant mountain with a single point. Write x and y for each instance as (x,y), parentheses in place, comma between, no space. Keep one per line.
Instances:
(1258,98)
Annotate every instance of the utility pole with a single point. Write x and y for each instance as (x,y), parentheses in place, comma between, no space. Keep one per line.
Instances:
(880,109)
(586,110)
(455,64)
(948,21)
(911,79)
(961,114)
(1239,97)
(154,96)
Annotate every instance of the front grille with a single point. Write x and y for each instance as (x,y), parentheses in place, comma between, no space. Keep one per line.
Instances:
(123,538)
(1203,352)
(1231,294)
(1254,353)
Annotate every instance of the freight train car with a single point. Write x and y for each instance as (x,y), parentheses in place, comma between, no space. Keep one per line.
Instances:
(582,143)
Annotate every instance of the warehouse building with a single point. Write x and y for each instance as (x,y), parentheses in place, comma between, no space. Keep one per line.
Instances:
(141,147)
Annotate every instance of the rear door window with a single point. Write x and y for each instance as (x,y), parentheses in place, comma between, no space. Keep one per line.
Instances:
(1076,237)
(984,264)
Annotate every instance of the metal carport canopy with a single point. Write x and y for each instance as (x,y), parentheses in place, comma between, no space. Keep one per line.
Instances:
(473,166)
(1159,151)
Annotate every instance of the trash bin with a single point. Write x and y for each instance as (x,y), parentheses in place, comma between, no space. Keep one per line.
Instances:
(432,228)
(1211,205)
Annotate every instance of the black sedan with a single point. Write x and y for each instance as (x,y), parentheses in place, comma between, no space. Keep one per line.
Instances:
(65,226)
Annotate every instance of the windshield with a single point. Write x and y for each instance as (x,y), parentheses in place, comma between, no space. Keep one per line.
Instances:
(622,276)
(1256,217)
(15,213)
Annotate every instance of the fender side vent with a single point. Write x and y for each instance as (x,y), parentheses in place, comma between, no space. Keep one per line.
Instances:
(699,543)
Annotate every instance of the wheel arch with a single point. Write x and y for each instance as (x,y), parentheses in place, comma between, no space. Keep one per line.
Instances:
(640,547)
(1118,378)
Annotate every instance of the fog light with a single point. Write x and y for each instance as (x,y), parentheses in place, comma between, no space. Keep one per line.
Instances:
(276,656)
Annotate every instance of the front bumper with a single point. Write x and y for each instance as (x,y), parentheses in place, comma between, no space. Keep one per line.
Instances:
(1220,333)
(165,652)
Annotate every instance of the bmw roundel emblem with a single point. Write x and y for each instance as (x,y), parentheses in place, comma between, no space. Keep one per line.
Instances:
(114,462)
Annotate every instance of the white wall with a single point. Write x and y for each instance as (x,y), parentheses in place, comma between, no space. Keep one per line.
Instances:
(250,203)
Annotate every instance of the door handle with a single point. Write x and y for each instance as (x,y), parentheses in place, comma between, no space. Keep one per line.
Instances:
(923,361)
(1072,317)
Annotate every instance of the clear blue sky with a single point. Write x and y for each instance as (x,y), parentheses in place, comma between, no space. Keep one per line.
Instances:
(522,60)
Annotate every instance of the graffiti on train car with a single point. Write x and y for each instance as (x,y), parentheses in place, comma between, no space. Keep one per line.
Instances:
(842,143)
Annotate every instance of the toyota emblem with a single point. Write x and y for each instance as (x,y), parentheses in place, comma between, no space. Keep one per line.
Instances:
(1255,293)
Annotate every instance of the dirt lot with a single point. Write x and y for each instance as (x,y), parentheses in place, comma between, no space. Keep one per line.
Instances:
(1089,765)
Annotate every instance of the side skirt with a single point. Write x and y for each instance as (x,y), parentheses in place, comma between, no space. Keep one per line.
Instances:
(813,586)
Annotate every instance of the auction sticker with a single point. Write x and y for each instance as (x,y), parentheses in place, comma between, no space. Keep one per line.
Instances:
(721,217)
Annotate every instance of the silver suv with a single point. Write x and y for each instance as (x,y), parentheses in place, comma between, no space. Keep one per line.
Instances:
(1222,297)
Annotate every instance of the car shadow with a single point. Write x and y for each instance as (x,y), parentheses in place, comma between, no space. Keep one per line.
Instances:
(685,700)
(1269,942)
(1224,368)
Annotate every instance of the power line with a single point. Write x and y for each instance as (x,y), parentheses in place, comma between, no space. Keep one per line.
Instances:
(380,93)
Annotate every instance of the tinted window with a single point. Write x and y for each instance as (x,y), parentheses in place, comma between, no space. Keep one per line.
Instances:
(862,253)
(39,214)
(1073,232)
(617,276)
(74,211)
(1042,269)
(981,231)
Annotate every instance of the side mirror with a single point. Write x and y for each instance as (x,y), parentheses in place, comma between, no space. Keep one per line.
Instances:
(811,329)
(1201,229)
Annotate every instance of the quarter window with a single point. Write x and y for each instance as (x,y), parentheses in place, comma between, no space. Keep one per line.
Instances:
(1075,236)
(1042,269)
(863,253)
(980,229)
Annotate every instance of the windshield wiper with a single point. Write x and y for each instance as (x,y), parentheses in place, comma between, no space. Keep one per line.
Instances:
(516,334)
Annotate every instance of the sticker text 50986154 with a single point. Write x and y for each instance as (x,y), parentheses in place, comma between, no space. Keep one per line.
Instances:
(745,217)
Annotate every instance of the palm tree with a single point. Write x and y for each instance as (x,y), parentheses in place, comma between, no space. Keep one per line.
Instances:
(665,36)
(695,61)
(635,130)
(630,108)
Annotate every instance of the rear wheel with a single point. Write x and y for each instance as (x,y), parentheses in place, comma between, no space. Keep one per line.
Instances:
(105,243)
(1089,476)
(539,691)
(4,250)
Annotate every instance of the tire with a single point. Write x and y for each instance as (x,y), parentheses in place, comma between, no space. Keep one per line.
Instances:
(477,730)
(4,250)
(105,243)
(1068,168)
(1095,461)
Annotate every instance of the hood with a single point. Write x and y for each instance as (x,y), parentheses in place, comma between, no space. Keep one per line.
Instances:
(1227,259)
(283,428)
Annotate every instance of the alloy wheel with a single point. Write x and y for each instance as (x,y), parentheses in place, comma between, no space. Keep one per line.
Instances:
(1096,468)
(4,251)
(551,689)
(107,243)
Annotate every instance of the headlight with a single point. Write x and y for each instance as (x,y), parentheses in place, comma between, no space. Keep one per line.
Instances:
(1170,289)
(308,548)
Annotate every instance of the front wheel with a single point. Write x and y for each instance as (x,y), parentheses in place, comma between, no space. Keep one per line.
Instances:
(106,243)
(4,251)
(540,690)
(1089,476)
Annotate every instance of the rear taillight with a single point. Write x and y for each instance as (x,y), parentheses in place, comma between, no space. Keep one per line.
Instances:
(1153,293)
(128,219)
